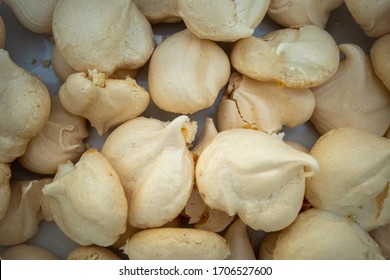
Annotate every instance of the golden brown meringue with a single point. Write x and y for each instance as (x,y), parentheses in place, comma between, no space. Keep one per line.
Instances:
(155,167)
(102,35)
(255,175)
(298,57)
(87,200)
(265,106)
(187,73)
(105,102)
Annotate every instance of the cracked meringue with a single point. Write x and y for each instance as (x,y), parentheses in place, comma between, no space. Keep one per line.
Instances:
(105,102)
(255,175)
(187,73)
(265,106)
(222,20)
(60,140)
(155,167)
(354,177)
(298,57)
(102,35)
(353,97)
(87,200)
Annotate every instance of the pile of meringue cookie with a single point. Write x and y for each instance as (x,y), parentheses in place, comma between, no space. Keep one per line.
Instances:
(181,189)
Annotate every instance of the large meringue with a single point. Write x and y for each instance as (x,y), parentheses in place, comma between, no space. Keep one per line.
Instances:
(187,73)
(155,167)
(103,35)
(255,175)
(354,177)
(87,200)
(297,57)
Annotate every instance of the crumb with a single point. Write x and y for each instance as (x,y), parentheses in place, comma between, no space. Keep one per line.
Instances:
(46,63)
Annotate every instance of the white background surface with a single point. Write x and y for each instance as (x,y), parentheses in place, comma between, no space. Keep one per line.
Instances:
(30,51)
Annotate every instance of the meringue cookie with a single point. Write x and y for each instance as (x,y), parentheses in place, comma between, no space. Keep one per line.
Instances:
(5,191)
(187,73)
(176,244)
(102,35)
(255,175)
(87,200)
(353,97)
(265,106)
(155,167)
(24,108)
(372,16)
(380,58)
(60,140)
(298,57)
(159,11)
(20,222)
(299,12)
(222,20)
(105,102)
(319,235)
(354,177)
